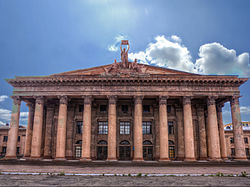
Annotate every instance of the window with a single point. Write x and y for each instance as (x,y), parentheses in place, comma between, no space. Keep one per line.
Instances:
(228,127)
(81,107)
(78,153)
(4,150)
(102,142)
(102,127)
(246,140)
(19,138)
(170,127)
(125,108)
(169,108)
(5,138)
(147,127)
(171,152)
(232,151)
(146,108)
(124,127)
(124,142)
(231,140)
(103,108)
(18,150)
(147,142)
(79,127)
(247,151)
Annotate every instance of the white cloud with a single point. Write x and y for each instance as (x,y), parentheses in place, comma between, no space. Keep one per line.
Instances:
(3,98)
(216,59)
(245,109)
(115,46)
(166,53)
(5,116)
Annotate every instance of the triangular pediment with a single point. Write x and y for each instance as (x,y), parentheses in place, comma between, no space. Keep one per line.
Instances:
(116,68)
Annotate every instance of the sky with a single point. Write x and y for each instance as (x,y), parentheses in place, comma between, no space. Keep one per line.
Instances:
(45,37)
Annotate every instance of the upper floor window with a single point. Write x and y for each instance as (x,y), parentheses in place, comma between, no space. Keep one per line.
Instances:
(79,127)
(147,127)
(19,138)
(103,108)
(124,127)
(146,108)
(231,140)
(170,127)
(4,150)
(102,127)
(81,108)
(169,108)
(5,138)
(18,150)
(125,108)
(232,152)
(247,151)
(246,140)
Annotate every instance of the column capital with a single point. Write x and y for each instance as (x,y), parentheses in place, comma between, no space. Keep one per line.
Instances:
(112,99)
(234,100)
(163,100)
(63,99)
(39,100)
(211,100)
(88,99)
(16,99)
(219,107)
(138,99)
(186,100)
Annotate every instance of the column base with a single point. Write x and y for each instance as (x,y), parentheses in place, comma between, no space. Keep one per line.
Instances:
(240,158)
(85,159)
(10,158)
(180,158)
(47,157)
(215,160)
(60,159)
(138,160)
(111,160)
(164,160)
(203,158)
(189,159)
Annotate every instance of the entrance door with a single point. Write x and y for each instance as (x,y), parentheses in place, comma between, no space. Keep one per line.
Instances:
(124,152)
(102,152)
(148,152)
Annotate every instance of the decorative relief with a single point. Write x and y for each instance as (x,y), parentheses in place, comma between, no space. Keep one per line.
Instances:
(88,100)
(138,99)
(234,100)
(163,100)
(210,101)
(219,107)
(39,100)
(16,100)
(186,100)
(64,100)
(112,99)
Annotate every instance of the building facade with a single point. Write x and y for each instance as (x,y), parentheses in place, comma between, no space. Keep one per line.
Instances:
(126,111)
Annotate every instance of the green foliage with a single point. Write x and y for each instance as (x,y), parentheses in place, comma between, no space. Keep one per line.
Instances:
(219,174)
(129,175)
(139,175)
(243,174)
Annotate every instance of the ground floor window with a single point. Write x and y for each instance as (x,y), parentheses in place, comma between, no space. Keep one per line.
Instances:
(124,127)
(124,150)
(147,127)
(78,152)
(102,127)
(247,151)
(171,149)
(4,150)
(147,150)
(232,152)
(102,150)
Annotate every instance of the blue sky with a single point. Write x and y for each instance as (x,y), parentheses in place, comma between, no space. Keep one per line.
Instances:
(44,37)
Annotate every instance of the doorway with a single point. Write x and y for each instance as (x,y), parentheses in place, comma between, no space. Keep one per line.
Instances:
(124,150)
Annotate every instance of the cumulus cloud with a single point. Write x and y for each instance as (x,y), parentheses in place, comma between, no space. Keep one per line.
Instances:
(5,116)
(245,109)
(115,46)
(3,98)
(166,53)
(217,59)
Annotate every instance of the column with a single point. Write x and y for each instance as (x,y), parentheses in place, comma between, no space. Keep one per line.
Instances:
(61,128)
(202,132)
(223,147)
(70,131)
(29,128)
(37,128)
(48,131)
(180,134)
(86,134)
(214,152)
(138,137)
(239,144)
(163,119)
(13,131)
(188,130)
(112,129)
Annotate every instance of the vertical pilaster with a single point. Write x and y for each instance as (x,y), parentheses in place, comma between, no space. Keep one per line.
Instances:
(37,128)
(202,133)
(27,149)
(180,134)
(138,136)
(48,132)
(214,152)
(70,131)
(163,118)
(239,144)
(86,134)
(112,129)
(188,130)
(13,131)
(61,128)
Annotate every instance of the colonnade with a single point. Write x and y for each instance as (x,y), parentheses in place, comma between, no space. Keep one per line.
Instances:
(215,130)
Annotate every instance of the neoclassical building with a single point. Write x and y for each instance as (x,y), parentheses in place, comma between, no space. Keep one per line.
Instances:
(126,111)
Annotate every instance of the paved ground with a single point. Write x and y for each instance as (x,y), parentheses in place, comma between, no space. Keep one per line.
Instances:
(46,180)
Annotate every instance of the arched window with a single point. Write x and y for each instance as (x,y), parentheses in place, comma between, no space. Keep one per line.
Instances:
(147,142)
(79,142)
(124,142)
(170,142)
(102,142)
